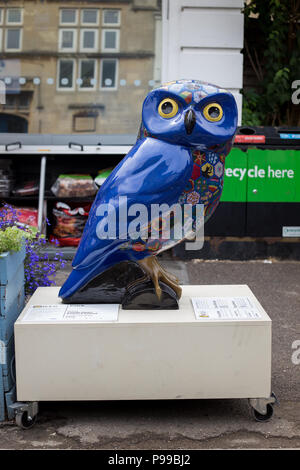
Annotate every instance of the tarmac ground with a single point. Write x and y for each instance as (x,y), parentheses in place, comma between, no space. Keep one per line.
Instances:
(190,424)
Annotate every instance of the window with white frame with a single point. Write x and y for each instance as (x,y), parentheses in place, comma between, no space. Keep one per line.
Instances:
(110,40)
(1,15)
(111,17)
(14,16)
(67,40)
(65,74)
(88,40)
(68,16)
(0,39)
(90,17)
(13,39)
(87,74)
(108,74)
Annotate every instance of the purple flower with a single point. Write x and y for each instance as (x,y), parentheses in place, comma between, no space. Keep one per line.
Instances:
(39,270)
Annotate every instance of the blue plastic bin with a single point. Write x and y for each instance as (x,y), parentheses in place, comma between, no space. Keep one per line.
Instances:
(12,300)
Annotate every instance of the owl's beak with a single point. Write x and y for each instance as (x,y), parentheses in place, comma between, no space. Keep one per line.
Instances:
(189,121)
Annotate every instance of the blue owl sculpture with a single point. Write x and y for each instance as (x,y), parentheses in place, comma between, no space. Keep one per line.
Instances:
(186,132)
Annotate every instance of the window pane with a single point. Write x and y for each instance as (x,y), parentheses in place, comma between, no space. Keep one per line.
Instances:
(1,16)
(67,39)
(90,16)
(89,39)
(10,101)
(87,73)
(24,100)
(66,68)
(108,79)
(13,39)
(111,17)
(14,15)
(110,41)
(68,16)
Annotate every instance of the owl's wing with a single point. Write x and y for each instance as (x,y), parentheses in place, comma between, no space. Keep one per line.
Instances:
(153,172)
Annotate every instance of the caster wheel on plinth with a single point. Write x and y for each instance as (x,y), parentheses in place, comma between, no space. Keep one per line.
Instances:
(260,417)
(24,421)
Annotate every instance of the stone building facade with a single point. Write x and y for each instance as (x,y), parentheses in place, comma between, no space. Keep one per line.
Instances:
(77,66)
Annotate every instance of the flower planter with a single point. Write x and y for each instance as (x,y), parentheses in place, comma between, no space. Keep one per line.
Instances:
(12,298)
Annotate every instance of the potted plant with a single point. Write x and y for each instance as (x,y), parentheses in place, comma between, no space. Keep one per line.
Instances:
(24,266)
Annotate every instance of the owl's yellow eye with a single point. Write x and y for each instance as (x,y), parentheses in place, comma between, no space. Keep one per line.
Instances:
(168,108)
(213,112)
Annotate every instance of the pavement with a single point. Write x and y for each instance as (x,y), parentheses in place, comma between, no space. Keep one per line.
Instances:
(190,424)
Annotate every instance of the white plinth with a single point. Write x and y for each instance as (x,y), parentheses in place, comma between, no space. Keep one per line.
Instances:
(165,354)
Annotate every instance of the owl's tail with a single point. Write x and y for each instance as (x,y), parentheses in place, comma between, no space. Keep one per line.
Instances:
(76,280)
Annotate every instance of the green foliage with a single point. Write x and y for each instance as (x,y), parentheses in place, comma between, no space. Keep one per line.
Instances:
(274,54)
(38,269)
(11,239)
(252,115)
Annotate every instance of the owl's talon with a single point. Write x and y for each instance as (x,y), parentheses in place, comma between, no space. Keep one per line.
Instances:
(158,291)
(157,273)
(170,275)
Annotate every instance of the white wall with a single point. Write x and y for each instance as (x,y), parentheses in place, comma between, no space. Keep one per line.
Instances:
(202,39)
